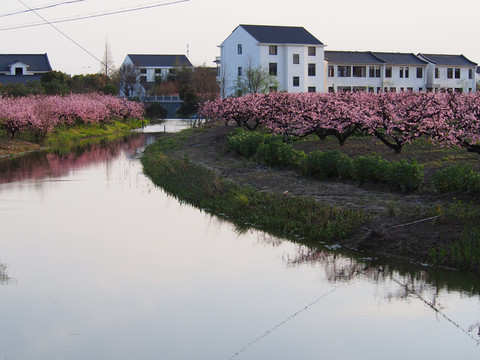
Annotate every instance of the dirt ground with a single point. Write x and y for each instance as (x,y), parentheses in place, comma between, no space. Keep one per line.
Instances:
(399,225)
(9,146)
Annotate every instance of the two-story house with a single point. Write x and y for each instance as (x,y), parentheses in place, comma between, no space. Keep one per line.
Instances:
(450,72)
(20,68)
(374,71)
(151,66)
(291,54)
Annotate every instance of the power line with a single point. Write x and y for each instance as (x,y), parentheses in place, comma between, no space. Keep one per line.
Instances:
(61,32)
(94,15)
(48,6)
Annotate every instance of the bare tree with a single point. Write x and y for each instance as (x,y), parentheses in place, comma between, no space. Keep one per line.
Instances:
(126,78)
(107,68)
(255,79)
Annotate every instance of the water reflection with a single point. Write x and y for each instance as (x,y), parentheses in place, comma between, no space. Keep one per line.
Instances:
(57,163)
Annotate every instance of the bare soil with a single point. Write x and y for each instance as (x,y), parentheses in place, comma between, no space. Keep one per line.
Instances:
(14,146)
(399,225)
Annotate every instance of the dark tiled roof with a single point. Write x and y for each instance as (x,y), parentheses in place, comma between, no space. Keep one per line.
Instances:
(159,60)
(35,62)
(281,34)
(452,60)
(352,57)
(16,79)
(400,58)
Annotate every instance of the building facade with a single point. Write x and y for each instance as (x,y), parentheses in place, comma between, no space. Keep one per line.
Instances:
(293,56)
(151,66)
(20,68)
(450,72)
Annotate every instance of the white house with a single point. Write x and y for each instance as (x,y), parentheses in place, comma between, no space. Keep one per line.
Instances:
(374,71)
(291,54)
(450,72)
(20,68)
(353,70)
(151,66)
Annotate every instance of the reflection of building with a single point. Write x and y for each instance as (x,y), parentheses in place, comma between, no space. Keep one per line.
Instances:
(291,54)
(151,66)
(454,72)
(20,68)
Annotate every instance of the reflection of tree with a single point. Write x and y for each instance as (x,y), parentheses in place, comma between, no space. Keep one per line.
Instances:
(3,274)
(55,164)
(398,285)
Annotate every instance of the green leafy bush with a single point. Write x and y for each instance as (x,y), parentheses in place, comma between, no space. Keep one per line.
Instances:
(276,153)
(245,143)
(457,178)
(371,169)
(324,165)
(404,176)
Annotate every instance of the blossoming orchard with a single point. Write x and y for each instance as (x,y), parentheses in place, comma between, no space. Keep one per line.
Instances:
(43,113)
(447,119)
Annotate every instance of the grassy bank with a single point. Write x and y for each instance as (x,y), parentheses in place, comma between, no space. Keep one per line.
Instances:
(292,217)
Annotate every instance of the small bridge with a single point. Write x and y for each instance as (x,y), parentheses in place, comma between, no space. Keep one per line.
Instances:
(171,103)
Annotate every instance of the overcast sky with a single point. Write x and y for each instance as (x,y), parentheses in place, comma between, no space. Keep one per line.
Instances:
(430,26)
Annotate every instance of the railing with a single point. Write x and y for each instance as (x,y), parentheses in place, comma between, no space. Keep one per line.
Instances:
(157,98)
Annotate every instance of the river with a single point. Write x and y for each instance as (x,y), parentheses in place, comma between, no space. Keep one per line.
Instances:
(98,263)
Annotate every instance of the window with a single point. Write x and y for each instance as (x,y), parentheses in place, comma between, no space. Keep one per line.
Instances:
(272,69)
(312,89)
(371,89)
(331,71)
(296,58)
(419,73)
(312,51)
(437,73)
(331,89)
(457,73)
(158,71)
(409,89)
(344,71)
(312,70)
(143,71)
(296,81)
(239,71)
(470,73)
(359,71)
(401,72)
(18,71)
(388,72)
(449,73)
(239,49)
(392,89)
(272,50)
(407,72)
(374,71)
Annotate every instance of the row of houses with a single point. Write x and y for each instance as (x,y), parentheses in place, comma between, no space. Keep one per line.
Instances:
(295,58)
(300,63)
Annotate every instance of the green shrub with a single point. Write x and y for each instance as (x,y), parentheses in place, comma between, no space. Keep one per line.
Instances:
(345,167)
(457,178)
(245,143)
(370,169)
(404,176)
(323,165)
(276,153)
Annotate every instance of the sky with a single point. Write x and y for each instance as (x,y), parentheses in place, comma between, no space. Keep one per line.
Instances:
(196,27)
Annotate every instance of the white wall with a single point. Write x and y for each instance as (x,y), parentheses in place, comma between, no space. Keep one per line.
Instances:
(231,60)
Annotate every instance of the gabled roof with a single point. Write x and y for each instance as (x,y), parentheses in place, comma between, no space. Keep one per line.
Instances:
(35,62)
(400,58)
(448,60)
(267,34)
(352,57)
(159,60)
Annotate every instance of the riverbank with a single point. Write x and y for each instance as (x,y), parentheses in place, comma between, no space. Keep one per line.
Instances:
(406,226)
(65,136)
